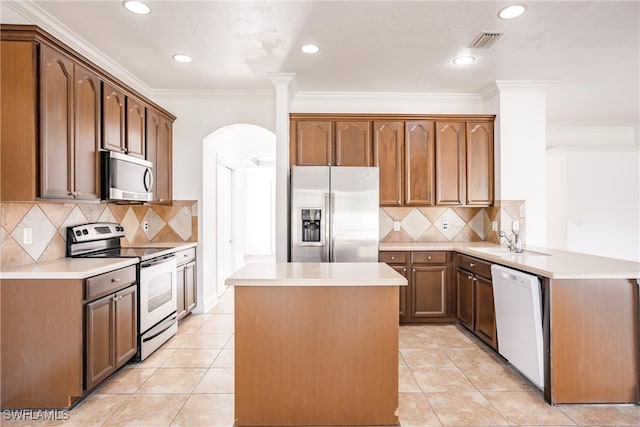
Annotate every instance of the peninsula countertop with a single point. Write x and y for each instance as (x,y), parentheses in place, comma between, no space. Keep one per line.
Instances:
(551,263)
(316,274)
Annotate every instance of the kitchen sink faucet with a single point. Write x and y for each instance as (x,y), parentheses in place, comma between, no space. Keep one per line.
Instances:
(514,245)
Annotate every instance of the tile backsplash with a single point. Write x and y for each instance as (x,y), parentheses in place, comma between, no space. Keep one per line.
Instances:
(49,221)
(469,224)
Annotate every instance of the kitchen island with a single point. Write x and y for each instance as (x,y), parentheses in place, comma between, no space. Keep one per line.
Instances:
(316,344)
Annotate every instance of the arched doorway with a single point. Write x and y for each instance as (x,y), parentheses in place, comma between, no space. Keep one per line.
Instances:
(238,203)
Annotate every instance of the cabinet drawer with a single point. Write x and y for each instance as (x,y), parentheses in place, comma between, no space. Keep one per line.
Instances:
(393,257)
(428,257)
(104,284)
(474,265)
(185,256)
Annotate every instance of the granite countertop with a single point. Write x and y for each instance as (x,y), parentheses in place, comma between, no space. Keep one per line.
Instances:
(81,268)
(551,263)
(316,274)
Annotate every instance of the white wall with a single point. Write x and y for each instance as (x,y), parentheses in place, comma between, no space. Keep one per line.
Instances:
(595,193)
(259,236)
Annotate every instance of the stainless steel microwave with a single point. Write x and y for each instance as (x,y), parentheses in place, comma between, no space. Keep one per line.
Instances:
(125,177)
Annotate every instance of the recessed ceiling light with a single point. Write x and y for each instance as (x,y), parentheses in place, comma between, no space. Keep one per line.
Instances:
(182,58)
(137,7)
(464,60)
(310,48)
(512,11)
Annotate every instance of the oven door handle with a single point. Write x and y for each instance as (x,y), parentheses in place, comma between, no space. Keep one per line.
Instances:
(158,260)
(163,326)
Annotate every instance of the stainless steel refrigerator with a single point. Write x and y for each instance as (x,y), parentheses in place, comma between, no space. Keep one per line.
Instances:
(334,214)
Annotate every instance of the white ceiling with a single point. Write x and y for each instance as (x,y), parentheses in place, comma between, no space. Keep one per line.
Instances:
(591,48)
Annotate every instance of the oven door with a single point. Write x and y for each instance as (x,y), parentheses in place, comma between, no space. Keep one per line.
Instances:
(158,285)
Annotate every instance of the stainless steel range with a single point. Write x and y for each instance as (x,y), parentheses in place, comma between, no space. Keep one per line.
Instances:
(157,279)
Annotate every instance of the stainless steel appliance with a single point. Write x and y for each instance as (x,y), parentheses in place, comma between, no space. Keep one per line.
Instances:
(157,280)
(125,177)
(334,214)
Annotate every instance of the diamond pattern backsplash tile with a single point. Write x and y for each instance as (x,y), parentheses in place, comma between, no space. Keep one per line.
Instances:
(49,222)
(426,224)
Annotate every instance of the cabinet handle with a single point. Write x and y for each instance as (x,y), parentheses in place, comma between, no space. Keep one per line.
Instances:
(469,277)
(115,298)
(475,279)
(115,280)
(393,257)
(429,257)
(404,270)
(471,265)
(69,193)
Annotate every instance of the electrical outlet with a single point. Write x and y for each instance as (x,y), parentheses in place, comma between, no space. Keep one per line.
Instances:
(445,225)
(494,225)
(515,225)
(145,225)
(396,225)
(27,236)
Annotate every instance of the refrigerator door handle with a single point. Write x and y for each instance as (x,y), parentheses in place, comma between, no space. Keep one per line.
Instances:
(326,251)
(332,250)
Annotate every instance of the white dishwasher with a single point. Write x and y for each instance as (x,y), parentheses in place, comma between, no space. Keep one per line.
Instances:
(518,309)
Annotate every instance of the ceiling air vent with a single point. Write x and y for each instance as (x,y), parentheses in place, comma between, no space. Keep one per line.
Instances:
(485,40)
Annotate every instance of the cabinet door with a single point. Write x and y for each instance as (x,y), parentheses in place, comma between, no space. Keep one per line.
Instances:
(388,153)
(353,144)
(419,170)
(313,143)
(181,306)
(113,118)
(190,286)
(135,125)
(465,283)
(87,133)
(479,142)
(126,325)
(485,312)
(100,340)
(402,310)
(159,147)
(56,121)
(449,159)
(429,291)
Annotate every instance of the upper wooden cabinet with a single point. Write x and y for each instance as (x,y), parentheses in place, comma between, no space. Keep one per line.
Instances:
(159,152)
(424,160)
(69,128)
(329,142)
(57,111)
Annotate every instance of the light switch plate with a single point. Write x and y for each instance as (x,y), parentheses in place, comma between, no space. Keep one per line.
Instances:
(494,225)
(445,225)
(145,225)
(27,236)
(396,225)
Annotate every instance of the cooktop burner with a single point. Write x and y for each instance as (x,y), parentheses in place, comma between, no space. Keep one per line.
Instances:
(142,253)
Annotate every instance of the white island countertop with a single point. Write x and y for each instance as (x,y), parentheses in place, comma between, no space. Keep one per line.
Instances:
(316,274)
(67,268)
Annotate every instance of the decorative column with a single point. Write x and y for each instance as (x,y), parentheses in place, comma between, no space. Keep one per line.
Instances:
(284,92)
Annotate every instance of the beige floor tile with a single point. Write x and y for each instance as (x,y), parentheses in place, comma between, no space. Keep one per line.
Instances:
(126,381)
(225,359)
(172,380)
(95,410)
(177,341)
(195,319)
(452,340)
(415,411)
(416,341)
(496,378)
(526,408)
(603,415)
(189,328)
(156,359)
(464,409)
(221,317)
(469,357)
(219,327)
(148,410)
(201,340)
(420,358)
(207,410)
(442,380)
(217,380)
(191,358)
(231,343)
(406,382)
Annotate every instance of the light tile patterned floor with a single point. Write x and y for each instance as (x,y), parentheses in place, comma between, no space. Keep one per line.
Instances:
(447,378)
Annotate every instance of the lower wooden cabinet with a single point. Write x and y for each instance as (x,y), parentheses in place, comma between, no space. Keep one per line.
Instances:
(111,334)
(475,307)
(430,293)
(187,290)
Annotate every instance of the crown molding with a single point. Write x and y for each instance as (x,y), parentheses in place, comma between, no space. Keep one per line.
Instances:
(427,96)
(213,93)
(40,17)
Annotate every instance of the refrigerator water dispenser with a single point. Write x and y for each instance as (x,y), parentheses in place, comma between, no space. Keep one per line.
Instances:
(311,226)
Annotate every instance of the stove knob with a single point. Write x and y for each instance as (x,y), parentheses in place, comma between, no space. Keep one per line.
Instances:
(85,232)
(78,233)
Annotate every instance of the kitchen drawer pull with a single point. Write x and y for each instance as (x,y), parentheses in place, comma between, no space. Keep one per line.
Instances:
(393,257)
(475,279)
(469,277)
(429,257)
(115,280)
(471,265)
